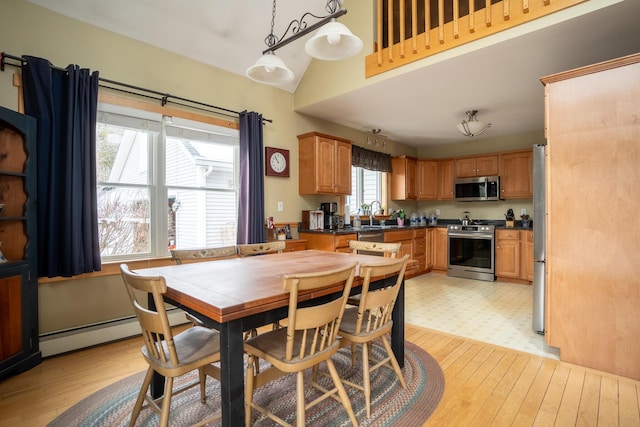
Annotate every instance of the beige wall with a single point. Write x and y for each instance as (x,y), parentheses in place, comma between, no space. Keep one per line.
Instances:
(31,30)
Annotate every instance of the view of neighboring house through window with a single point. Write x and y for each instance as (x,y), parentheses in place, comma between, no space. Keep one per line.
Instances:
(366,186)
(163,183)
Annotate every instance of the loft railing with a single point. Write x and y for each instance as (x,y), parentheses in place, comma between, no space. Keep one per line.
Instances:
(449,23)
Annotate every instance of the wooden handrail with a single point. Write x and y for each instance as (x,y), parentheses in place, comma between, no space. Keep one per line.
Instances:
(404,36)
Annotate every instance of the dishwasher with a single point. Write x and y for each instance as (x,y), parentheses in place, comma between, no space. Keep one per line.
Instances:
(371,236)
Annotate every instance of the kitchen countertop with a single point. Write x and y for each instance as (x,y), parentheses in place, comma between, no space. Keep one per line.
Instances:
(499,224)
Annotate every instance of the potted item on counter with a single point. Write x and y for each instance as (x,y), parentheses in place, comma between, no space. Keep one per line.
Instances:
(399,216)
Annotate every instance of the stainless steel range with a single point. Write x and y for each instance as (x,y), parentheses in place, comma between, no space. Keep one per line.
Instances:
(471,251)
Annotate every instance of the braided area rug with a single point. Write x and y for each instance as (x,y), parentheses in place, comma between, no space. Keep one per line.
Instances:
(391,405)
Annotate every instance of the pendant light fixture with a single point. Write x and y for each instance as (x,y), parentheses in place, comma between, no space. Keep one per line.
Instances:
(472,126)
(333,41)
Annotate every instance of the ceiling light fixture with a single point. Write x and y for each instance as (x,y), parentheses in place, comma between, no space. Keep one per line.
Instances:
(472,126)
(332,42)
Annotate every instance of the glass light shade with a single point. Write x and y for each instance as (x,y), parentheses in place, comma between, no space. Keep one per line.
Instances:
(270,69)
(472,127)
(333,42)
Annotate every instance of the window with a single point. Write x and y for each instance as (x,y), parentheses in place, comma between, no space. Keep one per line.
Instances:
(366,186)
(163,183)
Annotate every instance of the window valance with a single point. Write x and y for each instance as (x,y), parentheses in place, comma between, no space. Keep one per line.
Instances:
(369,159)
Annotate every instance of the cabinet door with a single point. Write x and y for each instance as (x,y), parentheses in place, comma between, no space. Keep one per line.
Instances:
(508,253)
(412,193)
(342,180)
(427,180)
(440,251)
(429,248)
(403,178)
(325,165)
(527,256)
(487,165)
(445,180)
(465,167)
(516,175)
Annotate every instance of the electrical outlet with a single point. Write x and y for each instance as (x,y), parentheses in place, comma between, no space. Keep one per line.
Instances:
(438,212)
(523,211)
(280,206)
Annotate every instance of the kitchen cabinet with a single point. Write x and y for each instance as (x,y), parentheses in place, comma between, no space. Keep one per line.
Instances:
(324,164)
(404,237)
(516,175)
(440,248)
(403,178)
(592,257)
(419,249)
(445,180)
(19,345)
(328,241)
(429,248)
(514,255)
(508,253)
(427,180)
(476,166)
(295,245)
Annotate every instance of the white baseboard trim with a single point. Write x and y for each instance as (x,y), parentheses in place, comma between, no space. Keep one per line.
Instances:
(63,342)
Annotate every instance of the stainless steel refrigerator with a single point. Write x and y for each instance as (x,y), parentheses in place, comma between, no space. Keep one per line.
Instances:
(539,216)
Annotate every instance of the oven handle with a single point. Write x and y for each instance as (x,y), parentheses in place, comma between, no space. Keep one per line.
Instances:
(471,236)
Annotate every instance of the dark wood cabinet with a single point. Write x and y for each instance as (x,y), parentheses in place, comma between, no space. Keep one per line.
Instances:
(19,346)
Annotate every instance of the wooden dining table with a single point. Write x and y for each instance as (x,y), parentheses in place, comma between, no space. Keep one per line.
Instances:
(240,294)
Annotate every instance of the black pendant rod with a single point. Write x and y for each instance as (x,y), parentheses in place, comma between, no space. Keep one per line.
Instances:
(164,98)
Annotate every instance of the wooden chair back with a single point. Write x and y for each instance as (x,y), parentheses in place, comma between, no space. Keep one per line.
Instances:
(180,255)
(389,249)
(156,330)
(251,249)
(318,325)
(376,306)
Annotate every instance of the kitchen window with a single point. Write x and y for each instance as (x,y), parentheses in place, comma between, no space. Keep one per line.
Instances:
(163,183)
(366,186)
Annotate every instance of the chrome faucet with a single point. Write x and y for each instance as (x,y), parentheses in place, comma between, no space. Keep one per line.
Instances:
(372,211)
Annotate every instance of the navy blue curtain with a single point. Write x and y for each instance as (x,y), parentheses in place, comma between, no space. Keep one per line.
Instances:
(251,194)
(64,101)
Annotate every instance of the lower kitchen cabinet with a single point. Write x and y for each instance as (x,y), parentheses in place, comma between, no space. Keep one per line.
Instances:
(440,248)
(514,255)
(328,241)
(295,245)
(420,248)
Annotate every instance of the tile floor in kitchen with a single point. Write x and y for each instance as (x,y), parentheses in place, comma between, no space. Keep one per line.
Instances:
(494,312)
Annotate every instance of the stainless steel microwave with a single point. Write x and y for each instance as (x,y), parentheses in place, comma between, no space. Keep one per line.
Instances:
(476,189)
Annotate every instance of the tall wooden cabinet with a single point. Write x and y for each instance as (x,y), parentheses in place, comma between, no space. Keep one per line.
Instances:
(324,164)
(19,347)
(592,119)
(403,178)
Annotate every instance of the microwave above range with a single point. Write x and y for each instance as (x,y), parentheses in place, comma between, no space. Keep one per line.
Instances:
(477,189)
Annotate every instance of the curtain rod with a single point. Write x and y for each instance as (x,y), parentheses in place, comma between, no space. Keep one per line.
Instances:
(164,98)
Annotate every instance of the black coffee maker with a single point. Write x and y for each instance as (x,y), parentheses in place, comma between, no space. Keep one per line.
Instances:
(331,217)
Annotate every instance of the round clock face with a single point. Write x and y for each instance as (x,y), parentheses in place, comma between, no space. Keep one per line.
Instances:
(278,162)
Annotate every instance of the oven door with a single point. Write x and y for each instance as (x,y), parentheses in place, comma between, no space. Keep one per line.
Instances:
(471,255)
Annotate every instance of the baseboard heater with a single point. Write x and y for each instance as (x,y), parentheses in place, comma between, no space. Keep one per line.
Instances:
(59,342)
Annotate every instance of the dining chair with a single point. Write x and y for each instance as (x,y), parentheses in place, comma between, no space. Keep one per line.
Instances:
(310,337)
(251,249)
(211,254)
(169,355)
(371,320)
(371,248)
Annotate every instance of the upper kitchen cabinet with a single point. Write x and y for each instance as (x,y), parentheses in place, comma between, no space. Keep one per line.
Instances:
(516,175)
(427,179)
(445,179)
(476,166)
(403,178)
(325,164)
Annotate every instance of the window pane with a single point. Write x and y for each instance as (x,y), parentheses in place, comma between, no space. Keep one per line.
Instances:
(123,220)
(122,154)
(202,218)
(199,164)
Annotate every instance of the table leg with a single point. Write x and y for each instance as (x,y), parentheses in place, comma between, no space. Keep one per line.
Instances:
(232,373)
(397,330)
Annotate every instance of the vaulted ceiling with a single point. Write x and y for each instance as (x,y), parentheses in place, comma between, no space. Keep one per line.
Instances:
(418,108)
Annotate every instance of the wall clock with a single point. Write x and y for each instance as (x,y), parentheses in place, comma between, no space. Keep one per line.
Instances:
(276,161)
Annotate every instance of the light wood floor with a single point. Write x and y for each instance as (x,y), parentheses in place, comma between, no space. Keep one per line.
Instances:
(484,385)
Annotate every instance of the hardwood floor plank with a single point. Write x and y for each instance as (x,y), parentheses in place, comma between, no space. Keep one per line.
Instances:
(552,398)
(589,401)
(533,400)
(568,411)
(608,408)
(628,404)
